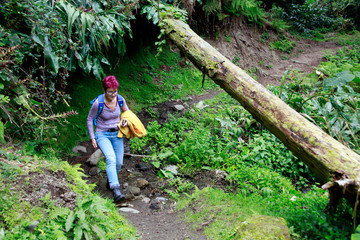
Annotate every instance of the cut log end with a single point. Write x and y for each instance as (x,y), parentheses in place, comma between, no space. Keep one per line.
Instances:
(344,188)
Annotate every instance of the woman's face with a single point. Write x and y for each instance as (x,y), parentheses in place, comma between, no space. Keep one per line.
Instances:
(111,93)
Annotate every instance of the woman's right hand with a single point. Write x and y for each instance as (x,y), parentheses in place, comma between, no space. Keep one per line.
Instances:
(94,144)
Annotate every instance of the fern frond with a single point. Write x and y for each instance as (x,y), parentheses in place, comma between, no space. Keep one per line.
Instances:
(212,7)
(250,8)
(58,212)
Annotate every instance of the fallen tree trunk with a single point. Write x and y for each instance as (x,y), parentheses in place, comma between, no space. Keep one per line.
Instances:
(327,158)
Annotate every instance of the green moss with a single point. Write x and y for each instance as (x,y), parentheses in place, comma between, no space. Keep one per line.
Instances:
(296,128)
(260,227)
(312,141)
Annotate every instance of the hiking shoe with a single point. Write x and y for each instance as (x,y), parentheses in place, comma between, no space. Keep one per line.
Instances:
(118,196)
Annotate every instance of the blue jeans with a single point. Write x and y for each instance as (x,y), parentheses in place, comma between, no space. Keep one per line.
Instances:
(113,150)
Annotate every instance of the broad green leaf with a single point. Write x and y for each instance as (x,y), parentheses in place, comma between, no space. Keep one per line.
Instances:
(83,26)
(99,232)
(156,164)
(50,56)
(355,236)
(78,55)
(96,6)
(81,215)
(2,130)
(165,155)
(69,221)
(151,13)
(146,9)
(166,173)
(87,235)
(85,50)
(357,230)
(341,79)
(78,233)
(105,61)
(86,205)
(35,102)
(73,14)
(21,100)
(85,226)
(121,47)
(155,18)
(37,40)
(98,71)
(88,64)
(89,18)
(71,63)
(357,77)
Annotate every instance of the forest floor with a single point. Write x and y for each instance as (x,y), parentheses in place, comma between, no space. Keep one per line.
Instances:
(151,210)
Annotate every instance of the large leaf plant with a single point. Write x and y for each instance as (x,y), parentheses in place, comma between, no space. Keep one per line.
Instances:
(41,43)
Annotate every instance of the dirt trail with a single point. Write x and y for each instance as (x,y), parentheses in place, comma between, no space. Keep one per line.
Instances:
(155,217)
(308,55)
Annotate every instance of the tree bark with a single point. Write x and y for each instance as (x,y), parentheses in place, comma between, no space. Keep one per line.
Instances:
(327,158)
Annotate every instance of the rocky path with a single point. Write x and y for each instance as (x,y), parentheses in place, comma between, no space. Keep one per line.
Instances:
(147,206)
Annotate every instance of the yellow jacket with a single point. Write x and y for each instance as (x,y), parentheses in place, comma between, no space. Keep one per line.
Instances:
(135,128)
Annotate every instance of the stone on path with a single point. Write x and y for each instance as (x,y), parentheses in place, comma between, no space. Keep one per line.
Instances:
(179,107)
(128,210)
(146,200)
(79,149)
(161,199)
(94,171)
(134,190)
(95,157)
(201,105)
(141,183)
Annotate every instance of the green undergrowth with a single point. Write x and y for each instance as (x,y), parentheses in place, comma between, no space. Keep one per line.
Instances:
(223,135)
(92,217)
(350,38)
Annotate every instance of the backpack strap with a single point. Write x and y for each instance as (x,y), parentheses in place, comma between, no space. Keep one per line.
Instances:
(100,99)
(120,101)
(101,102)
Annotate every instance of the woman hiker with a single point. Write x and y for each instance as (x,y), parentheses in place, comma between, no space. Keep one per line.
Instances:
(105,116)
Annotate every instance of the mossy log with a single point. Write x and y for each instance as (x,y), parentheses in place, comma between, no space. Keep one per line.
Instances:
(326,157)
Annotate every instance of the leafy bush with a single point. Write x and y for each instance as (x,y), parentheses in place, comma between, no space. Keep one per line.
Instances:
(42,42)
(308,17)
(255,179)
(266,151)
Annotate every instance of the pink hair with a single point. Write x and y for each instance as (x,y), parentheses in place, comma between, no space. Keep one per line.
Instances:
(110,82)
